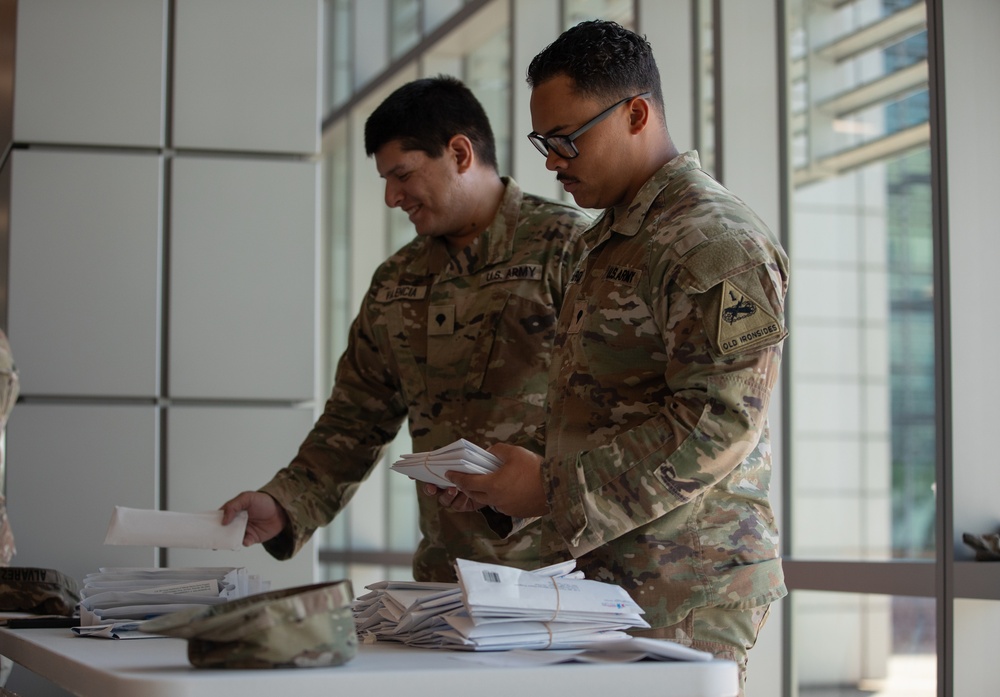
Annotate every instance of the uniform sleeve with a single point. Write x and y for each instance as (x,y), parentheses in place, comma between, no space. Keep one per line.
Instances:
(709,417)
(364,412)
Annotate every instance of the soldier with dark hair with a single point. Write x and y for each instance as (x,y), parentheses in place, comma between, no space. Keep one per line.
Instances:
(657,461)
(454,334)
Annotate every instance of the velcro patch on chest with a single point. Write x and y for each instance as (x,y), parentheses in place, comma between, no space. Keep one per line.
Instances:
(623,275)
(441,320)
(521,272)
(401,292)
(579,314)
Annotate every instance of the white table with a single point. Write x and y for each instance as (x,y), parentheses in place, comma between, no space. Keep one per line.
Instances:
(153,667)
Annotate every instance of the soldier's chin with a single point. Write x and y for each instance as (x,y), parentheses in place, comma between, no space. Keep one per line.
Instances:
(583,201)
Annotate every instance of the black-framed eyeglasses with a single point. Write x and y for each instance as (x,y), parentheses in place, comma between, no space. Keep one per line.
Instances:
(563,146)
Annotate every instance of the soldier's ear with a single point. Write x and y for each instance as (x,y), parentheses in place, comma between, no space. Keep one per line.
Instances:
(461,151)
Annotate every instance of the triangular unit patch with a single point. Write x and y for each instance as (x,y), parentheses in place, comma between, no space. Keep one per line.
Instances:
(743,324)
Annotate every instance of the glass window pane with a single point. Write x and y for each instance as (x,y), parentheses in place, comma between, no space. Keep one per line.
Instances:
(339,47)
(861,349)
(620,11)
(848,645)
(337,209)
(437,12)
(336,212)
(487,74)
(405,26)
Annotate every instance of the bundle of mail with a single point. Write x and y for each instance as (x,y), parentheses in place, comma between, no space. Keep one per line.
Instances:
(494,608)
(460,456)
(114,601)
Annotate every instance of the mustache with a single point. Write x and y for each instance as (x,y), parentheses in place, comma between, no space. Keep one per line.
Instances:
(564,178)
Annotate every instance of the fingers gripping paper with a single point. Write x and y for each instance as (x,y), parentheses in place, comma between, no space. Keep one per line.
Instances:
(134,526)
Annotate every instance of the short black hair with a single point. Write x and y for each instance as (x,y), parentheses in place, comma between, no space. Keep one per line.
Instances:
(425,114)
(604,59)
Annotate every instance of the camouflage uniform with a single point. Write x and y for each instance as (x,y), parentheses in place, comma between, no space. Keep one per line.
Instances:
(9,389)
(668,346)
(459,345)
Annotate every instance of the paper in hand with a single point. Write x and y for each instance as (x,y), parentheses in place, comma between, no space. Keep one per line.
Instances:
(460,456)
(134,526)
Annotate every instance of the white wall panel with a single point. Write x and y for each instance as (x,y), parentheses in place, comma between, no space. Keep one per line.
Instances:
(242,278)
(247,75)
(90,72)
(84,251)
(214,453)
(68,466)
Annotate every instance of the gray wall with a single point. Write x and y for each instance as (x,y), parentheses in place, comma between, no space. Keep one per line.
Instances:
(163,294)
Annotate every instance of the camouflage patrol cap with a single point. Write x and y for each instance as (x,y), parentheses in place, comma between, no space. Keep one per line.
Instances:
(38,591)
(300,627)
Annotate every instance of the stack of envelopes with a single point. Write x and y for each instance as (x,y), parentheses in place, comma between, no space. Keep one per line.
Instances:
(495,607)
(115,600)
(461,456)
(406,612)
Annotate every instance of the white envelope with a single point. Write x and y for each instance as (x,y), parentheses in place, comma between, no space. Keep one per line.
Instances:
(134,526)
(459,456)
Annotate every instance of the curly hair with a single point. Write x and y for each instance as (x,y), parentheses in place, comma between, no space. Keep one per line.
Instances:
(425,114)
(604,60)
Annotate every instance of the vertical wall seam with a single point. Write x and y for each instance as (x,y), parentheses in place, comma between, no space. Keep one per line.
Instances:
(165,242)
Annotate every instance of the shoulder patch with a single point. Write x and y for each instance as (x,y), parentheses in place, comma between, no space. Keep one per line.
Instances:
(743,323)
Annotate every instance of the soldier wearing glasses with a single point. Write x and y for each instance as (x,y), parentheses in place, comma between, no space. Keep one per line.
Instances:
(658,458)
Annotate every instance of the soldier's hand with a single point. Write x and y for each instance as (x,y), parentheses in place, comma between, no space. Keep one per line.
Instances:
(515,489)
(452,498)
(265,518)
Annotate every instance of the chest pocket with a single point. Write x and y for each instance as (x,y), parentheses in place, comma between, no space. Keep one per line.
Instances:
(411,359)
(511,355)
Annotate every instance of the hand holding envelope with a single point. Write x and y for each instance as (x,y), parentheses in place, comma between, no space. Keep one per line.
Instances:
(134,526)
(115,600)
(460,456)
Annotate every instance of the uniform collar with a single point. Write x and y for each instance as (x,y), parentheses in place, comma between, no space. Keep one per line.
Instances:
(627,219)
(494,245)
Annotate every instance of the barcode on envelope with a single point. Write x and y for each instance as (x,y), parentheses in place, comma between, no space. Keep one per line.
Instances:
(491,576)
